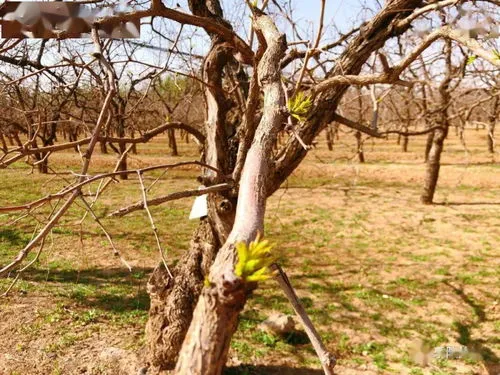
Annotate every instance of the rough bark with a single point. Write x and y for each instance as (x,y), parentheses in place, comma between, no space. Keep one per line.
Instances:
(173,301)
(171,312)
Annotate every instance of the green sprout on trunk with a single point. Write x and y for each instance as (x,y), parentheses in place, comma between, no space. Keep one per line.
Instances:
(254,260)
(299,105)
(471,59)
(496,53)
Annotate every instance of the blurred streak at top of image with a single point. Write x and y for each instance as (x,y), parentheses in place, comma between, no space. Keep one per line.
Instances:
(62,20)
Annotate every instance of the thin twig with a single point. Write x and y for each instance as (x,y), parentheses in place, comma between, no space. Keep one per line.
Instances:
(4,294)
(153,225)
(116,252)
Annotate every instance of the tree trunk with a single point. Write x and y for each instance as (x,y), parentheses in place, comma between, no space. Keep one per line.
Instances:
(11,140)
(404,145)
(5,148)
(438,135)
(359,147)
(491,138)
(43,166)
(42,163)
(133,149)
(215,317)
(17,139)
(491,125)
(172,142)
(122,166)
(121,131)
(103,147)
(173,301)
(357,135)
(329,138)
(428,145)
(336,132)
(433,166)
(208,353)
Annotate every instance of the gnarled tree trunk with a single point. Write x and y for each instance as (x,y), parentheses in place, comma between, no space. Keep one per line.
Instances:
(173,301)
(215,318)
(205,347)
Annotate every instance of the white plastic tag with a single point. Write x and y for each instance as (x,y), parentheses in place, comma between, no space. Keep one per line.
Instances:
(200,207)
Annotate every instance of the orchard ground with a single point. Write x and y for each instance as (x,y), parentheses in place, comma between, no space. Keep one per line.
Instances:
(384,278)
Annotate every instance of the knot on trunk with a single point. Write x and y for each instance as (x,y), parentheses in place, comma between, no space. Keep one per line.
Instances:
(231,290)
(159,282)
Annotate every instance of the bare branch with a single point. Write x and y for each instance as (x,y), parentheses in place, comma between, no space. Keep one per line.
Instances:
(170,197)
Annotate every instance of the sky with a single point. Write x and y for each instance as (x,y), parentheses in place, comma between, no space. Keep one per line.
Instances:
(338,12)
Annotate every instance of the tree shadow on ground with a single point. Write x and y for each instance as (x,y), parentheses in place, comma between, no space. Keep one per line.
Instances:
(114,290)
(490,360)
(89,276)
(271,370)
(467,203)
(475,164)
